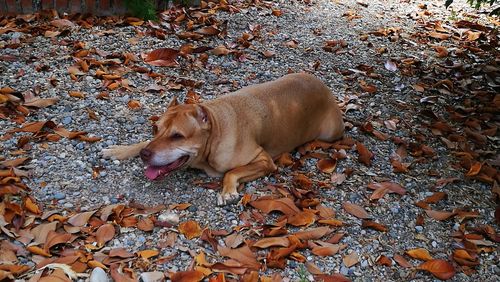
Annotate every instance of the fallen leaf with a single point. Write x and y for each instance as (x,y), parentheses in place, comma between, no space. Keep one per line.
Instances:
(145,224)
(272,242)
(313,234)
(325,249)
(384,260)
(355,210)
(439,268)
(303,218)
(62,23)
(365,156)
(390,186)
(440,215)
(220,51)
(190,229)
(474,169)
(436,197)
(54,238)
(402,261)
(243,255)
(327,165)
(163,57)
(419,253)
(134,104)
(374,225)
(148,253)
(104,233)
(313,269)
(284,205)
(351,259)
(80,219)
(76,94)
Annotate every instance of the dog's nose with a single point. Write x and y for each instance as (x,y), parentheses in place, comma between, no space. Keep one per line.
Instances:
(145,154)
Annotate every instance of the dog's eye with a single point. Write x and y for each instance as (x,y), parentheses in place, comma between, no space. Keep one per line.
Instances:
(176,136)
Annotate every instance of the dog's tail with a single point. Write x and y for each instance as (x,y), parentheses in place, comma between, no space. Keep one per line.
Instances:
(123,152)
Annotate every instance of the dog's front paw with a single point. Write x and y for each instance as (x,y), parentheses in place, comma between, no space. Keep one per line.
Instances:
(227,199)
(116,152)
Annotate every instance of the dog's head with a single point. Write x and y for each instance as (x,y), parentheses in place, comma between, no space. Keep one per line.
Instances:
(181,136)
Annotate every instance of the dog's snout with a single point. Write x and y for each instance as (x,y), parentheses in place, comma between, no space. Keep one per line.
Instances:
(145,154)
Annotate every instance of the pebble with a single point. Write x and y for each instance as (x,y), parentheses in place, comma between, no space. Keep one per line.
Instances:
(98,275)
(59,196)
(419,228)
(67,120)
(344,270)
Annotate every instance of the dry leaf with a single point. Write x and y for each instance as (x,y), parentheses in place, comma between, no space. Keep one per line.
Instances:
(402,261)
(355,210)
(190,229)
(272,242)
(439,268)
(313,234)
(284,205)
(440,215)
(148,253)
(80,219)
(374,225)
(104,233)
(365,156)
(350,259)
(163,57)
(327,165)
(419,253)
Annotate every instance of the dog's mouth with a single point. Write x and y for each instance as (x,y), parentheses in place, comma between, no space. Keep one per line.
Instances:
(154,172)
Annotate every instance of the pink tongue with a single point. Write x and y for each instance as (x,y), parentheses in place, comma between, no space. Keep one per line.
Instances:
(153,172)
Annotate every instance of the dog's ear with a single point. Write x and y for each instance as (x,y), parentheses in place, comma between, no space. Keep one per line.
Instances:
(201,116)
(173,102)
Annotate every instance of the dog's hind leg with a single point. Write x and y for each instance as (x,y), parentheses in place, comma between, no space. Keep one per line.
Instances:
(123,152)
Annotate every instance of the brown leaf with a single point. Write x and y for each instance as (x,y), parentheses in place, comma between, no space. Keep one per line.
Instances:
(272,242)
(439,215)
(187,276)
(148,253)
(54,238)
(313,234)
(383,260)
(118,275)
(441,51)
(243,255)
(104,233)
(268,53)
(313,269)
(351,259)
(370,88)
(163,57)
(327,165)
(325,249)
(439,268)
(220,51)
(391,186)
(145,224)
(120,252)
(436,197)
(379,193)
(41,231)
(284,205)
(336,277)
(439,35)
(374,225)
(365,156)
(62,23)
(80,219)
(134,104)
(474,169)
(38,251)
(402,261)
(355,210)
(191,229)
(208,30)
(303,218)
(76,94)
(41,103)
(419,253)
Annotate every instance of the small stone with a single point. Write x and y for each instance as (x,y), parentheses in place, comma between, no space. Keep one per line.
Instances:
(154,276)
(364,263)
(59,196)
(192,208)
(68,205)
(344,270)
(169,217)
(67,120)
(419,228)
(434,244)
(98,275)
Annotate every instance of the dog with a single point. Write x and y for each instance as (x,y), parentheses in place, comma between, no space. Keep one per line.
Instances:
(238,135)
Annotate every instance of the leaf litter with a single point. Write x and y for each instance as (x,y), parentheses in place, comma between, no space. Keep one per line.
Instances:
(307,212)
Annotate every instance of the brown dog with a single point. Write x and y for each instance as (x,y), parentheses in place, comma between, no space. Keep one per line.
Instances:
(239,134)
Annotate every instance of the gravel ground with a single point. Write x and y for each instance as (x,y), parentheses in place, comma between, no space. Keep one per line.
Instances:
(63,171)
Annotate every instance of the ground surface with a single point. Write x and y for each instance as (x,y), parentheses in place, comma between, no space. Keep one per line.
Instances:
(381,61)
